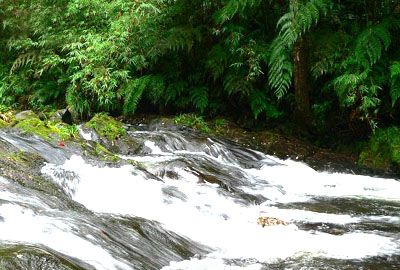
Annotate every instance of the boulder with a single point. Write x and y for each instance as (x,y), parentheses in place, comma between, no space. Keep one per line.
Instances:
(63,115)
(24,115)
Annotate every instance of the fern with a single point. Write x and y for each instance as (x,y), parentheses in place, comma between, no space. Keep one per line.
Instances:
(300,18)
(233,7)
(24,60)
(155,89)
(199,98)
(174,91)
(347,86)
(217,61)
(280,68)
(234,83)
(132,92)
(292,25)
(260,103)
(180,38)
(370,45)
(395,82)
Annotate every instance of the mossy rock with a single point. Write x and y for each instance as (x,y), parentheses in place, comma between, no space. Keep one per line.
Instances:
(35,126)
(383,150)
(106,127)
(3,123)
(25,115)
(47,130)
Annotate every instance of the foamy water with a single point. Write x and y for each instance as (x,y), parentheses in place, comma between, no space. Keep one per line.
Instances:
(218,218)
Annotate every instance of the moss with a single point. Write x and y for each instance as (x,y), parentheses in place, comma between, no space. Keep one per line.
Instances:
(100,151)
(3,123)
(106,126)
(20,157)
(383,149)
(35,126)
(47,130)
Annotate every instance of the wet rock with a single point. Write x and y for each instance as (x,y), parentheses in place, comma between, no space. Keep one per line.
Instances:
(27,257)
(63,115)
(111,134)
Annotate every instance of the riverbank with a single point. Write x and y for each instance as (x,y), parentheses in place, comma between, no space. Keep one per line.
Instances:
(111,140)
(277,143)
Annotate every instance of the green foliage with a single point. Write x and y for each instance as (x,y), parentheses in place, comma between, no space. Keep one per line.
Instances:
(300,18)
(234,7)
(209,58)
(64,131)
(260,103)
(292,26)
(383,149)
(395,82)
(220,125)
(193,121)
(107,127)
(199,98)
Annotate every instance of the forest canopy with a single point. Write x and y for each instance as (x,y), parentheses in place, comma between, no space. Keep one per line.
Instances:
(328,64)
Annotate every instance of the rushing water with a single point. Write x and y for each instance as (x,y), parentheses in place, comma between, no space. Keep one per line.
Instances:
(193,203)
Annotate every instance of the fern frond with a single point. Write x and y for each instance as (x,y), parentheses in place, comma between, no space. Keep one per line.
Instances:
(280,68)
(260,103)
(395,70)
(395,82)
(371,43)
(217,61)
(24,60)
(180,38)
(199,97)
(292,25)
(174,90)
(132,92)
(155,88)
(300,18)
(233,83)
(233,7)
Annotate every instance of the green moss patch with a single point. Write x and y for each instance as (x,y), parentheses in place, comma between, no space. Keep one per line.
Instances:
(47,130)
(383,149)
(35,126)
(2,123)
(106,126)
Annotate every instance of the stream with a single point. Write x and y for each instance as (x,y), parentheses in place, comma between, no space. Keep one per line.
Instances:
(190,202)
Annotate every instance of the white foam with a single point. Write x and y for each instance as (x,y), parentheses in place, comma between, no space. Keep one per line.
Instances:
(301,183)
(22,225)
(209,264)
(153,147)
(85,135)
(203,214)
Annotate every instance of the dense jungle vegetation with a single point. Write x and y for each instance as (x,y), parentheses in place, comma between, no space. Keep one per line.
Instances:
(331,67)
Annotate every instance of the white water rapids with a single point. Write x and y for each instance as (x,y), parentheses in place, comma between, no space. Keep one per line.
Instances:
(212,195)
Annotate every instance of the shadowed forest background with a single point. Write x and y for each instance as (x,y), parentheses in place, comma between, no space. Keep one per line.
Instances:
(329,69)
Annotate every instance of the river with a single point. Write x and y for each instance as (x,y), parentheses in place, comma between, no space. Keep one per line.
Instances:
(192,202)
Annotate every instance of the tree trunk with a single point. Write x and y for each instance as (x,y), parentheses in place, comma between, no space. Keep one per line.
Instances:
(302,90)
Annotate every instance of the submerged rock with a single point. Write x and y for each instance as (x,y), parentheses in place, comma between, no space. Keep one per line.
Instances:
(270,221)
